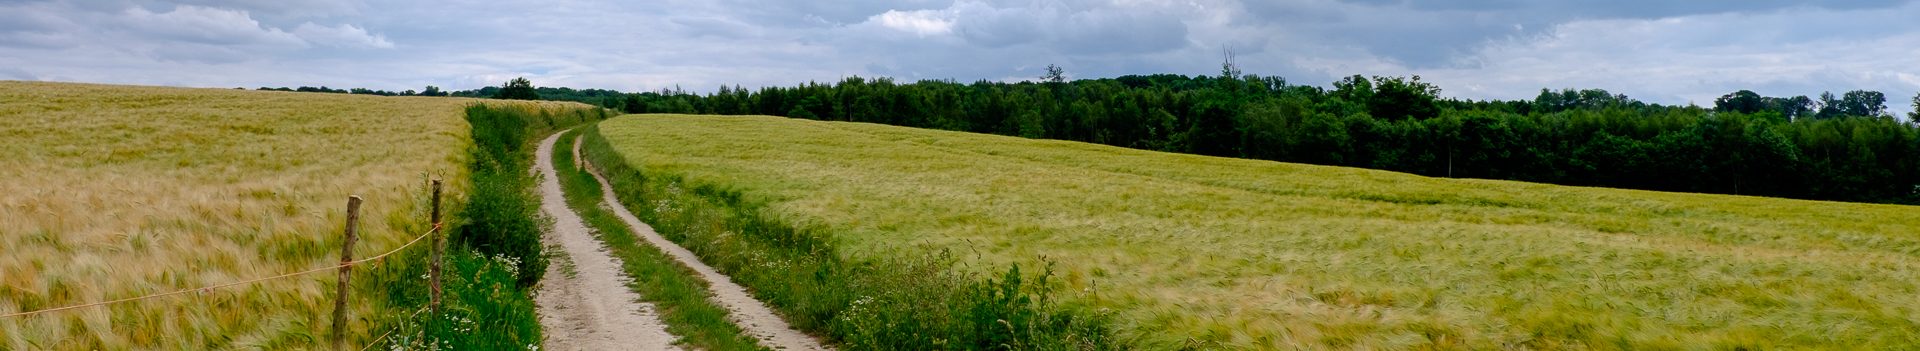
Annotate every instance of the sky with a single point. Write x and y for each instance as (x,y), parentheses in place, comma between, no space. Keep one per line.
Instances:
(1660,51)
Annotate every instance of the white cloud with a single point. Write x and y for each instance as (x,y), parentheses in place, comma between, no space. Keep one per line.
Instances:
(204,25)
(345,35)
(920,22)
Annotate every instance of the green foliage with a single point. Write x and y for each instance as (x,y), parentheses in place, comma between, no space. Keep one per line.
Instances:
(1587,99)
(503,207)
(884,303)
(1857,103)
(1915,115)
(518,89)
(1396,98)
(496,255)
(481,307)
(504,222)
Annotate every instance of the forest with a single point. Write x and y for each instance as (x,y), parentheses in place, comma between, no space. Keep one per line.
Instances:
(1844,148)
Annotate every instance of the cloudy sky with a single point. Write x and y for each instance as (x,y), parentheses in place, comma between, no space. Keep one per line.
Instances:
(1663,51)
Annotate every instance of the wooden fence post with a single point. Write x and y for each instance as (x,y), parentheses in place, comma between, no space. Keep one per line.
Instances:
(346,255)
(433,266)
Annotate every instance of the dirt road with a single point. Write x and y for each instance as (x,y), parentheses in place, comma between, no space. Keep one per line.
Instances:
(750,314)
(584,301)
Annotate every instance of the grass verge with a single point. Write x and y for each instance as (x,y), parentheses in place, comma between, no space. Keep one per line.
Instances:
(494,254)
(676,291)
(894,300)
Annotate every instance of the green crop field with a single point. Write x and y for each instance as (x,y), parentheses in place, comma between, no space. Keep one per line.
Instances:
(1193,251)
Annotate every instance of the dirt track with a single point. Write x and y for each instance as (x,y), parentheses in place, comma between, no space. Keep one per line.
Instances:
(584,301)
(750,314)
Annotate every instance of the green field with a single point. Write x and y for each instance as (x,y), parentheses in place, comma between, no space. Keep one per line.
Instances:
(1194,251)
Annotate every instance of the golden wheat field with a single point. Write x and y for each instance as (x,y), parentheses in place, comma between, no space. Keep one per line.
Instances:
(109,192)
(1218,253)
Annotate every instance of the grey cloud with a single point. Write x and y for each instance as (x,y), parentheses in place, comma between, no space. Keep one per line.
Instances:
(15,73)
(1640,9)
(199,53)
(38,40)
(1699,58)
(31,25)
(829,12)
(1669,51)
(1092,29)
(32,17)
(996,27)
(1122,31)
(1432,34)
(717,27)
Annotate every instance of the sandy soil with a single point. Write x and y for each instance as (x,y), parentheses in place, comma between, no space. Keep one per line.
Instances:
(584,301)
(748,313)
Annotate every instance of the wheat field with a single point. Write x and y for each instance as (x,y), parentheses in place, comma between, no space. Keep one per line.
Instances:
(118,191)
(1216,253)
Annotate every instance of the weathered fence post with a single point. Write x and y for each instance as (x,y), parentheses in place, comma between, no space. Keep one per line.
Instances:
(433,266)
(346,256)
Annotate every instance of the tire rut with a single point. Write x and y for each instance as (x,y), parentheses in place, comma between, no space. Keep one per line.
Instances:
(589,307)
(750,314)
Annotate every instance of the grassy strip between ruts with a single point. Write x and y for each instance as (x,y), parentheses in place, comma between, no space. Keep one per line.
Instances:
(680,296)
(494,254)
(904,301)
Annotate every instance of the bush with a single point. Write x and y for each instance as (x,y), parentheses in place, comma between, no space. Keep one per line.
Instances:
(503,207)
(502,215)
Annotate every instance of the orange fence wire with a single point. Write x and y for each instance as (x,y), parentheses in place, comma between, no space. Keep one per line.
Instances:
(436,228)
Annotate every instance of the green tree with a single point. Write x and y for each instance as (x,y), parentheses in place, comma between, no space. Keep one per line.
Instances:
(1055,74)
(1795,107)
(1864,103)
(1397,98)
(518,89)
(1744,101)
(1857,103)
(1915,115)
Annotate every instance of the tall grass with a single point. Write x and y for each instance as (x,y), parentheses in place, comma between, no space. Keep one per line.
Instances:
(879,302)
(121,191)
(1215,253)
(504,208)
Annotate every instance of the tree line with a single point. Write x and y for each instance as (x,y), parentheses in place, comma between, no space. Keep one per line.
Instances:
(1847,147)
(429,91)
(516,89)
